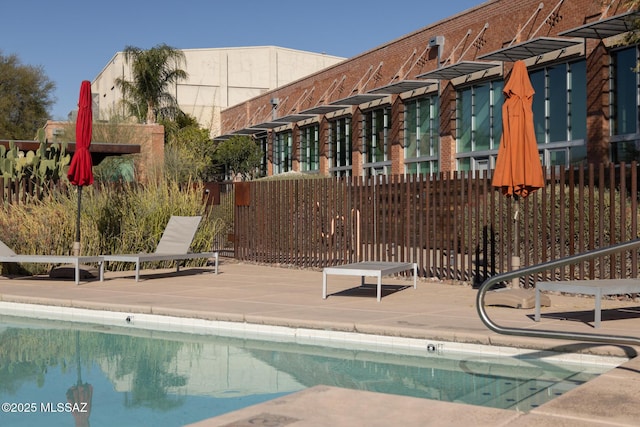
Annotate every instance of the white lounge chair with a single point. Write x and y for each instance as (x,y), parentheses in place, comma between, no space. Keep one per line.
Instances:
(173,246)
(8,255)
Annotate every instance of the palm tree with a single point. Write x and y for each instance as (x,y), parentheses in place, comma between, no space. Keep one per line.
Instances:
(153,72)
(634,35)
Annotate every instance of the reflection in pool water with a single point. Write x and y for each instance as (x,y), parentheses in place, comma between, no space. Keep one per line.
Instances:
(66,374)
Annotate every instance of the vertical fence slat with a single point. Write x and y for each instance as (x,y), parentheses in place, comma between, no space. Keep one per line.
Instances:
(592,210)
(634,218)
(623,209)
(612,220)
(419,221)
(571,212)
(582,218)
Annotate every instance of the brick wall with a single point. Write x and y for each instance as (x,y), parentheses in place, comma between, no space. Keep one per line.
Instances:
(468,35)
(150,138)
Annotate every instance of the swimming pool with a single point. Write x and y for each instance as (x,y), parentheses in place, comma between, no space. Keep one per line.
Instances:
(140,375)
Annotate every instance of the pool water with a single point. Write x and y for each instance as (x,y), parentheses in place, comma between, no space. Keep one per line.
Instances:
(58,373)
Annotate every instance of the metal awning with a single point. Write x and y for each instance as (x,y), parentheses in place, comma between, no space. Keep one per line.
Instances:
(402,86)
(250,131)
(358,99)
(267,125)
(324,109)
(462,68)
(243,131)
(604,28)
(530,48)
(292,118)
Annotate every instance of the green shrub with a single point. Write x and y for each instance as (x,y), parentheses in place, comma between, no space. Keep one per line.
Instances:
(125,218)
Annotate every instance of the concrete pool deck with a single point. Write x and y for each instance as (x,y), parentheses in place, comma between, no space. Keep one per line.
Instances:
(437,311)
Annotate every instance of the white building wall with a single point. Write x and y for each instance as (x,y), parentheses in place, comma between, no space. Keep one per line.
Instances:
(214,369)
(218,78)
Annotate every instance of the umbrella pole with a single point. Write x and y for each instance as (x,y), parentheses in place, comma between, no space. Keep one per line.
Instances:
(76,244)
(515,258)
(78,357)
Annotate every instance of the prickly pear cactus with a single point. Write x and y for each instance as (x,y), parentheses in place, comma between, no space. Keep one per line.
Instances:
(41,166)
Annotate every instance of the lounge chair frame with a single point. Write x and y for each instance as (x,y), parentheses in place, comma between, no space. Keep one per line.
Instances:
(173,246)
(8,255)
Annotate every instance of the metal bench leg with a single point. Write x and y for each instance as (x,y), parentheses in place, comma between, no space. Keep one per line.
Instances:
(324,285)
(598,310)
(415,275)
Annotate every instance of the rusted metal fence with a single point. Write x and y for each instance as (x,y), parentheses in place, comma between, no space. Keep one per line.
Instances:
(219,198)
(24,190)
(456,227)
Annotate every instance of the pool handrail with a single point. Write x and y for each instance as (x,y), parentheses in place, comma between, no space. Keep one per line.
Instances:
(541,333)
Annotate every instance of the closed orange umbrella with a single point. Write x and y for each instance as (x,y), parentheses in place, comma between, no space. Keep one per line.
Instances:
(518,171)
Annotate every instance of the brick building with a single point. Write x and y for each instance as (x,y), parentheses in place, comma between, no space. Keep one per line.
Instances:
(431,100)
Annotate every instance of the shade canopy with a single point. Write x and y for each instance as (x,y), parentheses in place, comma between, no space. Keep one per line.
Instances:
(403,86)
(80,170)
(324,109)
(530,49)
(604,28)
(459,69)
(518,169)
(358,99)
(292,118)
(250,131)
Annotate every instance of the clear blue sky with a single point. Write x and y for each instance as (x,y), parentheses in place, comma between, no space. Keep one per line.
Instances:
(73,40)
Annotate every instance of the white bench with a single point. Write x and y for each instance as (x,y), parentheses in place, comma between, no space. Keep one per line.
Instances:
(370,269)
(597,288)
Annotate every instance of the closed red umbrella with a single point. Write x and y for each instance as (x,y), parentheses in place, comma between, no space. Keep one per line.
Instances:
(518,171)
(80,395)
(81,168)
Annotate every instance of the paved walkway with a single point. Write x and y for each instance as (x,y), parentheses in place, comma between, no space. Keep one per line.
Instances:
(438,311)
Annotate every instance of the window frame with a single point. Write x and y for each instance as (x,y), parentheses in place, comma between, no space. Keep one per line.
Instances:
(372,139)
(621,142)
(340,140)
(468,160)
(422,163)
(282,152)
(310,148)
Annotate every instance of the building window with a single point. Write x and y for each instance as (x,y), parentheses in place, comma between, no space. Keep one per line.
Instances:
(263,142)
(282,150)
(309,148)
(340,147)
(421,135)
(624,82)
(478,124)
(375,125)
(560,111)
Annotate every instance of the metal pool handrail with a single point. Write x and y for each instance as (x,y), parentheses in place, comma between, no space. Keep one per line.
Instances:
(602,338)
